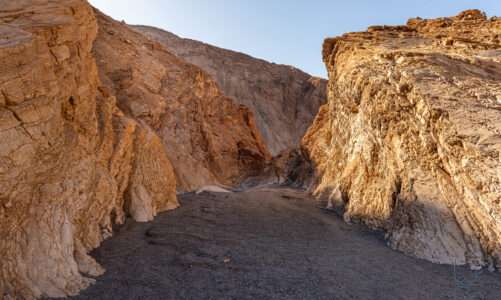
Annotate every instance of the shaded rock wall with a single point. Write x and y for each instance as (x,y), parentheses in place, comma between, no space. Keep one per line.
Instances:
(209,138)
(283,99)
(410,138)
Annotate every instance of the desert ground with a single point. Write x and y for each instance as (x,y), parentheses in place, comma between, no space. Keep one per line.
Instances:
(269,243)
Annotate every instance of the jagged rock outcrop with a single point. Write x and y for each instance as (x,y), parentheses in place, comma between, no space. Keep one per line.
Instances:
(209,138)
(283,99)
(71,163)
(410,139)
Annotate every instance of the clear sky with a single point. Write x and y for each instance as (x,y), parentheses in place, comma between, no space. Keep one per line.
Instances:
(282,31)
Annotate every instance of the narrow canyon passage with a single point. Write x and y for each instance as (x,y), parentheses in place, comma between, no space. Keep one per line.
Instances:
(268,244)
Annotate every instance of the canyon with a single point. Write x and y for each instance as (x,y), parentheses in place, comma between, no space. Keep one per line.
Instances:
(104,125)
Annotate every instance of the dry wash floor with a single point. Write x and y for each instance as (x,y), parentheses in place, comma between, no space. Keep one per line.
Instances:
(268,244)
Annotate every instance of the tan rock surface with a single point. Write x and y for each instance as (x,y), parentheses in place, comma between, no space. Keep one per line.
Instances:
(208,137)
(410,139)
(71,163)
(85,145)
(283,99)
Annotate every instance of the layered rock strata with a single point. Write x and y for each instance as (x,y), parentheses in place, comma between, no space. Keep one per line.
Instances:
(410,139)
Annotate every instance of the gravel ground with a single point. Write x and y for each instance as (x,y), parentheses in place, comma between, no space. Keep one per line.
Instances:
(268,244)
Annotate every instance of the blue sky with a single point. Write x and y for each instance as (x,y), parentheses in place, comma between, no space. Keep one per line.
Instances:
(282,31)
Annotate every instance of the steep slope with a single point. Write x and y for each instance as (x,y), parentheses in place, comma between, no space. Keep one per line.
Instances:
(209,139)
(71,163)
(410,139)
(284,99)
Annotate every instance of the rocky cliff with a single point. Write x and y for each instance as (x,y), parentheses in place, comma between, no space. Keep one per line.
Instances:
(84,145)
(283,99)
(209,138)
(410,139)
(71,163)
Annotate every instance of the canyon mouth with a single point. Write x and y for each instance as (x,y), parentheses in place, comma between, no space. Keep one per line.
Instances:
(138,164)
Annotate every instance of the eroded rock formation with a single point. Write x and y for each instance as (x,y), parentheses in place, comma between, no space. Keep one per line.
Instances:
(410,139)
(71,163)
(283,99)
(84,145)
(209,138)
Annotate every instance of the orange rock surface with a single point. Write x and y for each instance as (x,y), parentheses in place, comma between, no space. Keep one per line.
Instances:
(208,137)
(84,145)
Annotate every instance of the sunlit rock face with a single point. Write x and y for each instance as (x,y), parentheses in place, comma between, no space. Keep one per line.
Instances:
(84,145)
(71,162)
(284,100)
(208,137)
(410,138)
